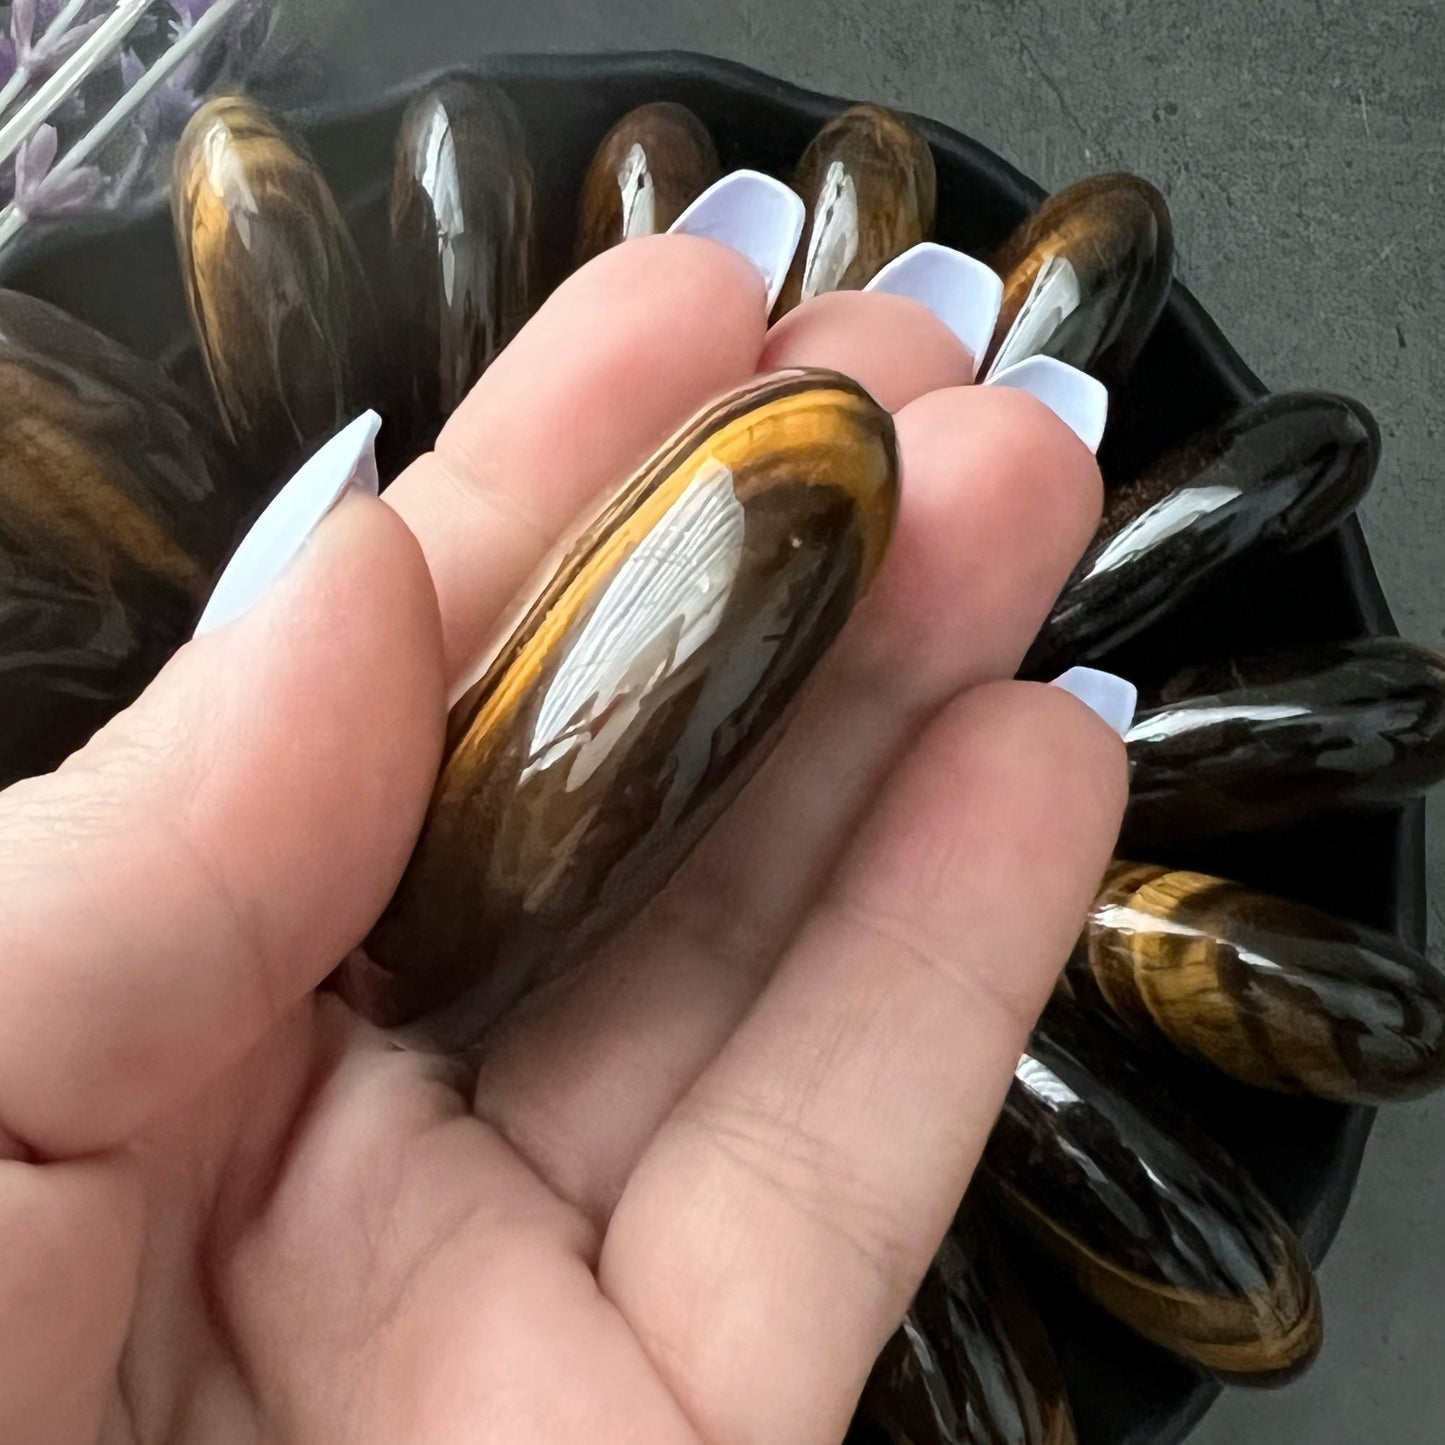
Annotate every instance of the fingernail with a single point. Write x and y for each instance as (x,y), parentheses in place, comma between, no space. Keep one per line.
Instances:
(1078,398)
(758,217)
(1110,696)
(962,292)
(348,460)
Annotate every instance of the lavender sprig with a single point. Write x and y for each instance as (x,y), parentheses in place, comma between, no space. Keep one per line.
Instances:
(170,102)
(155,100)
(31,57)
(99,46)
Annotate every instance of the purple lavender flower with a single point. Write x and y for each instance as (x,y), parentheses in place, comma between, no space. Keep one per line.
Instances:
(170,104)
(97,151)
(22,27)
(36,45)
(37,192)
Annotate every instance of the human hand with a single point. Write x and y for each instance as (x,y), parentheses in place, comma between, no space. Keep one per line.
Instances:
(692,1191)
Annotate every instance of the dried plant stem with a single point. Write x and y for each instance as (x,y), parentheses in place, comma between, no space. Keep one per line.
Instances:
(53,32)
(189,43)
(11,220)
(13,86)
(98,48)
(12,217)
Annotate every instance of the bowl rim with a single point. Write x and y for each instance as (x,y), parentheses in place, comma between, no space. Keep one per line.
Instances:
(1196,328)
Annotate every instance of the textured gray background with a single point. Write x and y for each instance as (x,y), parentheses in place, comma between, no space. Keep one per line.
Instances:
(1302,146)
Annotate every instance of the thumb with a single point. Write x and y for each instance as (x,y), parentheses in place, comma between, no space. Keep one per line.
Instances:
(212,853)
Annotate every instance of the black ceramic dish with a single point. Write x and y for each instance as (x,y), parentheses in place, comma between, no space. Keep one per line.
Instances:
(1367,865)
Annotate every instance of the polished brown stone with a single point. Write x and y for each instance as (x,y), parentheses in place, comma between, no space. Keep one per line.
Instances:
(972,1363)
(649,168)
(1275,475)
(1270,992)
(643,683)
(1085,277)
(116,514)
(1145,1213)
(276,291)
(869,184)
(463,222)
(1259,741)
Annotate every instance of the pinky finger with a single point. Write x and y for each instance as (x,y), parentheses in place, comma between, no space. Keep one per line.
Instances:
(72,1235)
(774,1232)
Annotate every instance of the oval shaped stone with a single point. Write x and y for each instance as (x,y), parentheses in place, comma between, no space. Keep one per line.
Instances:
(648,169)
(643,682)
(1279,473)
(1146,1213)
(972,1363)
(871,191)
(463,222)
(1270,992)
(115,517)
(1085,277)
(274,283)
(1260,741)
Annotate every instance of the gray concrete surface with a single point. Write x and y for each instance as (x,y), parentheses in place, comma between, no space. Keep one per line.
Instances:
(1302,145)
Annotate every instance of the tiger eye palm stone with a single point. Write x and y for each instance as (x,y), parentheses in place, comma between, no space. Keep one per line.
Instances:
(275,286)
(1146,1213)
(972,1363)
(115,517)
(640,687)
(1270,992)
(463,218)
(1278,473)
(869,185)
(649,168)
(1085,277)
(1262,741)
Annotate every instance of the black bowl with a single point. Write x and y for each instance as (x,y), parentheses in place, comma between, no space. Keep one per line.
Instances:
(1368,865)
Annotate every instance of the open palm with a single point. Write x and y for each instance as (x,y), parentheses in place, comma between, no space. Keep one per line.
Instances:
(693,1189)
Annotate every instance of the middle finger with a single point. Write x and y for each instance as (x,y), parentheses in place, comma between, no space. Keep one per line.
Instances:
(999,500)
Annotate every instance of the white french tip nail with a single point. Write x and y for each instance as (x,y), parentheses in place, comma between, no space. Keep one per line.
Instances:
(348,460)
(1080,399)
(1109,695)
(962,292)
(757,216)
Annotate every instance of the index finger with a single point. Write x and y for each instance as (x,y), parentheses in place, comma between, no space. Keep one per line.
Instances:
(620,356)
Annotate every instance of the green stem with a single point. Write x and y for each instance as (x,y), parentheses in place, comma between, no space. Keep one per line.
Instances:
(55,31)
(99,47)
(13,86)
(189,43)
(12,217)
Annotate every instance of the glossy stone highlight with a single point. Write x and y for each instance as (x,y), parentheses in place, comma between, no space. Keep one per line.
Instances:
(1272,993)
(649,168)
(463,222)
(1144,1212)
(276,292)
(115,517)
(1085,277)
(972,1363)
(642,684)
(869,184)
(1278,473)
(1261,741)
